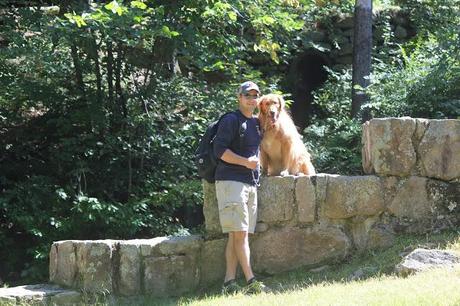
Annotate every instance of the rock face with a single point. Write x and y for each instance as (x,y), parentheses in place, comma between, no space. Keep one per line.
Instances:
(423,259)
(413,186)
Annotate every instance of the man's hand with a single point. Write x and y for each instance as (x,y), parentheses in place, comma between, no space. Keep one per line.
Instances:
(252,162)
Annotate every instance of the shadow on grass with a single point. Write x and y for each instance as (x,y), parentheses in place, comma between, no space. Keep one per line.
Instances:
(363,265)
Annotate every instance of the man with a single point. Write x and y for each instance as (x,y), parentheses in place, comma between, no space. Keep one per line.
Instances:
(237,175)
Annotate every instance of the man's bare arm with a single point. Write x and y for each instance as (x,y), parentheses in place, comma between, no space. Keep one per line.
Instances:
(230,157)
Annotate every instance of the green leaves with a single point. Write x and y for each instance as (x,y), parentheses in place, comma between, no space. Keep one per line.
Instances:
(267,20)
(139,4)
(220,9)
(269,47)
(117,8)
(166,32)
(76,19)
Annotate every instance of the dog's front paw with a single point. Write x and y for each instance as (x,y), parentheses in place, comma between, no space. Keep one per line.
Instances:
(284,173)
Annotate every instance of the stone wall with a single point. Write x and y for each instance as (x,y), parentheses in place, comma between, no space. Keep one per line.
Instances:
(413,186)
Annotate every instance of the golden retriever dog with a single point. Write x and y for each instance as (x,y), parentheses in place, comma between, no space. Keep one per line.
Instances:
(282,151)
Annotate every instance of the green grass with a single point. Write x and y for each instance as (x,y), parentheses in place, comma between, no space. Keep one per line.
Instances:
(334,285)
(438,287)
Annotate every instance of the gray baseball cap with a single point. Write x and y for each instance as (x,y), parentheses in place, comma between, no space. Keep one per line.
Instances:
(248,86)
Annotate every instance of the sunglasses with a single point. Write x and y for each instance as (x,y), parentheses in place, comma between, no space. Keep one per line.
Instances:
(251,96)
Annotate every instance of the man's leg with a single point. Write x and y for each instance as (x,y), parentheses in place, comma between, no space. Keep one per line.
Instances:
(230,259)
(241,248)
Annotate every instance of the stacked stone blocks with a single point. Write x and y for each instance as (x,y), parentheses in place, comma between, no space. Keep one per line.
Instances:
(412,184)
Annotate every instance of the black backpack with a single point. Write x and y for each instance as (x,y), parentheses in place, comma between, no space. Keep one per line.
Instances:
(205,159)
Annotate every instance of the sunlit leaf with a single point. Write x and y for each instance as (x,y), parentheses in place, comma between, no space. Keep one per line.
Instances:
(232,16)
(139,5)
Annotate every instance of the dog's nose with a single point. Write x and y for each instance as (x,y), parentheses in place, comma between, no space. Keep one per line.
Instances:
(272,113)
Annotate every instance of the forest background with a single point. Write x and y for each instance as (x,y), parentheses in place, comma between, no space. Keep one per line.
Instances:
(102,105)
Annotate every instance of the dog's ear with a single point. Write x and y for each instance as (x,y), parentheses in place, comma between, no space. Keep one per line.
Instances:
(261,105)
(281,102)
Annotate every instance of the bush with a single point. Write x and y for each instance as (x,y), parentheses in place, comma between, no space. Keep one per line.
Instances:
(83,183)
(334,139)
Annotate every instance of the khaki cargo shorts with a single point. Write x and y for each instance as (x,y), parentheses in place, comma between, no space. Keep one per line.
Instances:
(237,206)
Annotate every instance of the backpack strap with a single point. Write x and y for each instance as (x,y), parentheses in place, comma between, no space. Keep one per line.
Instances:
(236,142)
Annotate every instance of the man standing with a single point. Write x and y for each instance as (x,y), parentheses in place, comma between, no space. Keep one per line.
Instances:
(237,175)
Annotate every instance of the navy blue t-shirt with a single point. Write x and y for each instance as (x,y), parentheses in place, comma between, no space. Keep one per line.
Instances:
(246,145)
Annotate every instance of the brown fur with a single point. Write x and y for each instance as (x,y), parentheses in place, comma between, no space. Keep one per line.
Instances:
(282,151)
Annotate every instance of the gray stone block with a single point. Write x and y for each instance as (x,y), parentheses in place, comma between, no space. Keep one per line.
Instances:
(170,275)
(276,199)
(349,196)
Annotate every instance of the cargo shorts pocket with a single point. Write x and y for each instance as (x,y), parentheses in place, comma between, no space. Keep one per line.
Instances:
(233,217)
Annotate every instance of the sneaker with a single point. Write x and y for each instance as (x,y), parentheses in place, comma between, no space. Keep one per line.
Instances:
(255,286)
(230,287)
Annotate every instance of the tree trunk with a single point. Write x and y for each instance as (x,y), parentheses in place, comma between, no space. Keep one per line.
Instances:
(118,89)
(110,73)
(362,48)
(97,67)
(78,69)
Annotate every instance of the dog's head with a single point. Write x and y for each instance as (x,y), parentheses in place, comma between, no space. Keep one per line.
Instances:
(270,108)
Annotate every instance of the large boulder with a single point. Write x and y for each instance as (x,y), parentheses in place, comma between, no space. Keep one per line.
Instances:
(289,248)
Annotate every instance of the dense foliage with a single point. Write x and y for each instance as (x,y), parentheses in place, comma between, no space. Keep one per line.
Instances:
(419,78)
(102,105)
